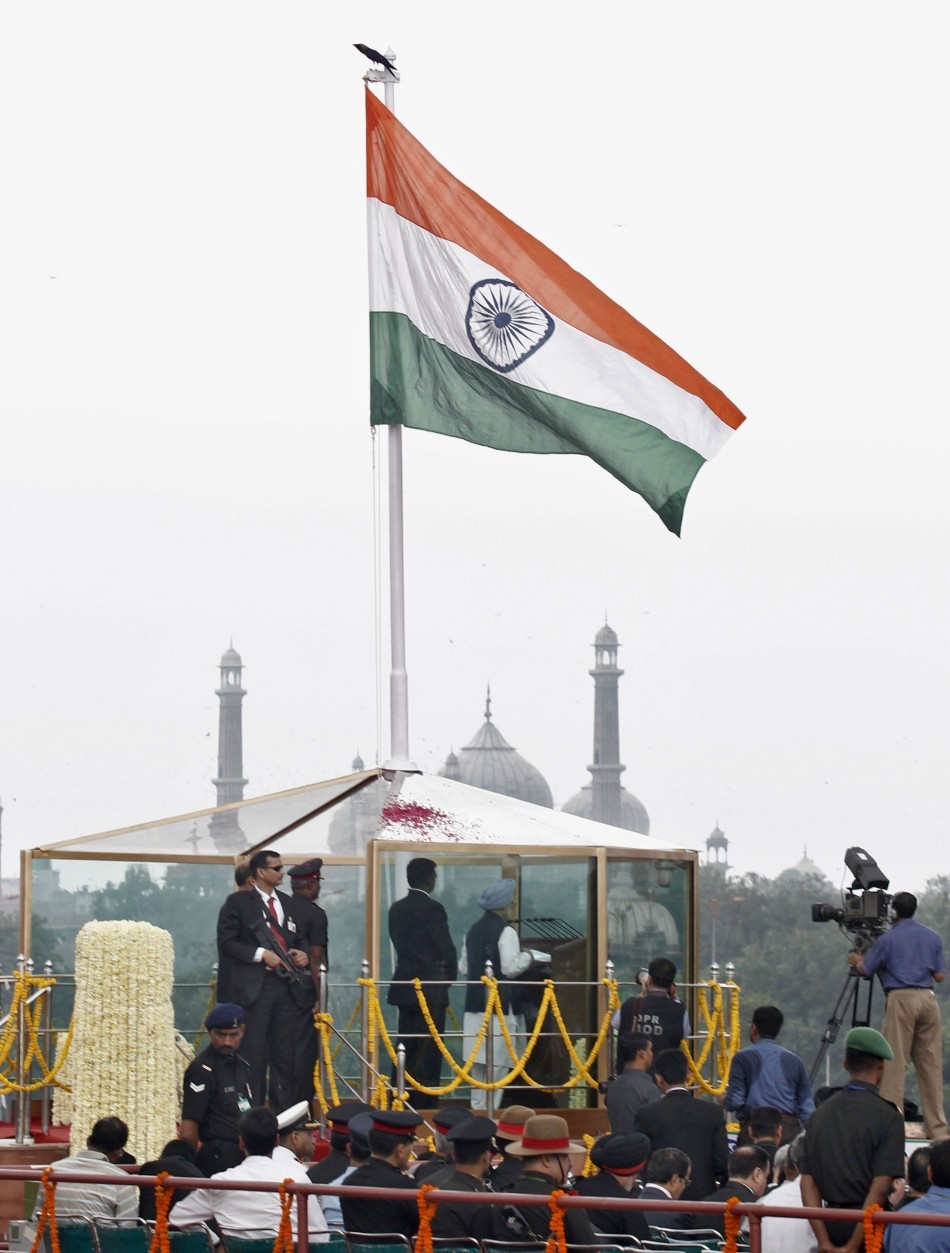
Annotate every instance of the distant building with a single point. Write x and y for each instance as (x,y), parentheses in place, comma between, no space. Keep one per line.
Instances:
(355,820)
(717,850)
(488,761)
(230,781)
(605,799)
(804,868)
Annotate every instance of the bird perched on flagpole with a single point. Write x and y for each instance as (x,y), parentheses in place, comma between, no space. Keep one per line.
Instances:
(377,58)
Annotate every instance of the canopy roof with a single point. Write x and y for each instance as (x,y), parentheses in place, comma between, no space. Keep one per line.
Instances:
(421,808)
(225,832)
(430,809)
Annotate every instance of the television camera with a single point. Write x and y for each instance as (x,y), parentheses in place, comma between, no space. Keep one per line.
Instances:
(864,911)
(862,916)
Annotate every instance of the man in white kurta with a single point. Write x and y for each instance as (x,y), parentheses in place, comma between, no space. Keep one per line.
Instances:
(491,939)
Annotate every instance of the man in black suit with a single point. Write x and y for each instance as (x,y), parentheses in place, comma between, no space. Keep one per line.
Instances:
(259,941)
(679,1121)
(419,930)
(749,1171)
(667,1177)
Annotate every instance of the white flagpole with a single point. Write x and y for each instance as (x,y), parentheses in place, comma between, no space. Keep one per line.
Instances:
(399,758)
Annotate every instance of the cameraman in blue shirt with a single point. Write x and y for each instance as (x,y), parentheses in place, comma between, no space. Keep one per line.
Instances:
(908,960)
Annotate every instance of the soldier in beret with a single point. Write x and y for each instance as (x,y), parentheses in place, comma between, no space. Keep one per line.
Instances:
(390,1141)
(619,1160)
(217,1091)
(854,1143)
(472,1144)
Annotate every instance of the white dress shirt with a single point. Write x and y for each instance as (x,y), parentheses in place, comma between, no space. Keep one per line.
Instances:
(255,1215)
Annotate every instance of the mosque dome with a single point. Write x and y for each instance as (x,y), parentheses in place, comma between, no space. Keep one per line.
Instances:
(804,868)
(488,761)
(231,657)
(634,816)
(634,920)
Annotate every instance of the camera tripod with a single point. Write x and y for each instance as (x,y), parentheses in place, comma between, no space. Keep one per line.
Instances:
(860,1002)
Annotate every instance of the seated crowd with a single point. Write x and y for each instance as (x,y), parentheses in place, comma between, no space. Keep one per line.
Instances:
(672,1149)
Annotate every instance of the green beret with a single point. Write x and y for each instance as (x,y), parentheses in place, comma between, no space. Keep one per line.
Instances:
(867,1040)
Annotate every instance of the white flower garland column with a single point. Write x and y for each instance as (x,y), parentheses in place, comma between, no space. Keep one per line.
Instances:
(123,1057)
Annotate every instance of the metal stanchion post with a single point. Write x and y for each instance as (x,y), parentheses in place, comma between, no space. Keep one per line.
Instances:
(49,1052)
(610,971)
(322,999)
(401,1071)
(490,1054)
(23,1098)
(367,1061)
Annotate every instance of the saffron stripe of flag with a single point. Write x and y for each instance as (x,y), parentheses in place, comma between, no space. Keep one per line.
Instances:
(479,331)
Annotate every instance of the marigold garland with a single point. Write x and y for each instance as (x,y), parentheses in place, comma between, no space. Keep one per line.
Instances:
(285,1232)
(589,1167)
(557,1240)
(731,1223)
(873,1232)
(47,1214)
(323,1025)
(493,1009)
(160,1242)
(24,985)
(427,1210)
(725,1043)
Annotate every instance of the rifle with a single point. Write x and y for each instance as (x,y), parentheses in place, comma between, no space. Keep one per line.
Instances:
(286,969)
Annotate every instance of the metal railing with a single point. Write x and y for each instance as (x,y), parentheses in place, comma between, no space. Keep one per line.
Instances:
(752,1212)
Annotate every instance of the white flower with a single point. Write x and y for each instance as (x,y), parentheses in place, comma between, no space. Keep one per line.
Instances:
(123,1058)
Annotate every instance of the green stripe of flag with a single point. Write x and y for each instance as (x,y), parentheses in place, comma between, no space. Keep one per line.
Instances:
(419,383)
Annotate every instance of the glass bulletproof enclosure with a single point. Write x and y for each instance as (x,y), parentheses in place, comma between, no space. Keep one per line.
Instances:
(574,908)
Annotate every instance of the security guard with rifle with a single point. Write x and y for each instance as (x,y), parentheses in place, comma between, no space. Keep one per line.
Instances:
(260,942)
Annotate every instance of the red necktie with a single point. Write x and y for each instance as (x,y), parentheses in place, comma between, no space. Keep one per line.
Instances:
(274,924)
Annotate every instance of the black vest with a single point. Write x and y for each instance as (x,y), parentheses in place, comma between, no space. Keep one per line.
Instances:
(655,1015)
(481,946)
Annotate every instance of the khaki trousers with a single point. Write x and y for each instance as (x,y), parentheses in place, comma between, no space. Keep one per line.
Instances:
(912,1029)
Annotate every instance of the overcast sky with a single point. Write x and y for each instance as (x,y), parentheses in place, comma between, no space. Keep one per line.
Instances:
(186,455)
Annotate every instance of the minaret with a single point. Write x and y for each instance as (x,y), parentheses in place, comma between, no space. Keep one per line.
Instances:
(606,769)
(230,782)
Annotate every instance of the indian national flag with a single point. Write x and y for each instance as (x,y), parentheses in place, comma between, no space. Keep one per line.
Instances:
(479,331)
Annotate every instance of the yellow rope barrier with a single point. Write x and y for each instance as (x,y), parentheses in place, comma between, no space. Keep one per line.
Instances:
(462,1073)
(323,1024)
(725,1043)
(23,986)
(583,1068)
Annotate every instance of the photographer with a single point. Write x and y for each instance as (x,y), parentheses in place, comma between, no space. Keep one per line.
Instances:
(908,960)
